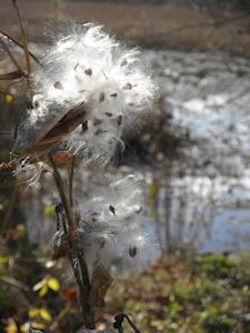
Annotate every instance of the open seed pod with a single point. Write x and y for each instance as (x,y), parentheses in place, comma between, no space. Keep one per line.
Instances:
(45,125)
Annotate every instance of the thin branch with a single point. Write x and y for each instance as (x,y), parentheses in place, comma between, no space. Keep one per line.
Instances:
(119,318)
(11,76)
(76,256)
(62,195)
(15,41)
(24,37)
(13,282)
(9,212)
(12,57)
(71,179)
(56,322)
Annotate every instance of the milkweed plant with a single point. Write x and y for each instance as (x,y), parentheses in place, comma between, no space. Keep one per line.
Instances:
(87,95)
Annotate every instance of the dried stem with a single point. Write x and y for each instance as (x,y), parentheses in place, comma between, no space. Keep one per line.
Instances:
(15,41)
(12,57)
(71,179)
(76,255)
(65,203)
(24,37)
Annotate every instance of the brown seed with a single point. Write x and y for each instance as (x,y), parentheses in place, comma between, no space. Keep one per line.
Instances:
(99,131)
(124,63)
(112,209)
(85,126)
(128,86)
(131,104)
(101,97)
(132,251)
(119,119)
(88,71)
(113,95)
(97,121)
(102,243)
(29,105)
(77,64)
(58,85)
(108,114)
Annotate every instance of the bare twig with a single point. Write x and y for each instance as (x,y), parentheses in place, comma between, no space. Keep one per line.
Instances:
(24,37)
(14,283)
(119,318)
(9,212)
(11,76)
(76,255)
(60,188)
(12,57)
(56,322)
(71,178)
(15,41)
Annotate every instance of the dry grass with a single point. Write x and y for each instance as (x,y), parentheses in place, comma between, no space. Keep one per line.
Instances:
(145,25)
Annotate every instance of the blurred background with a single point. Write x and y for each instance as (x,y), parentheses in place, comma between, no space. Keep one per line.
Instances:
(193,154)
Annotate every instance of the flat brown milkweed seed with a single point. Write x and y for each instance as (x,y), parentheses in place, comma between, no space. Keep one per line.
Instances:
(128,86)
(108,114)
(124,63)
(119,119)
(85,126)
(132,251)
(112,209)
(101,97)
(113,95)
(88,71)
(99,131)
(102,243)
(58,85)
(97,121)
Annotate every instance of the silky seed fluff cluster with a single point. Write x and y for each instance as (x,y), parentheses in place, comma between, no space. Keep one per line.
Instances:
(114,232)
(88,69)
(90,73)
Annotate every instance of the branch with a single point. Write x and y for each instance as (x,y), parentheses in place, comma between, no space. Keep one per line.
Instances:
(76,255)
(15,41)
(12,57)
(24,37)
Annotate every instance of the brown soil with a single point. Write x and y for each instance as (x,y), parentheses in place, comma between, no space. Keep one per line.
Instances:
(145,25)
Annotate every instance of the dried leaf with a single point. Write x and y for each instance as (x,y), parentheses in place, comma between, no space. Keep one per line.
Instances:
(11,326)
(43,291)
(33,312)
(45,314)
(100,282)
(54,284)
(8,99)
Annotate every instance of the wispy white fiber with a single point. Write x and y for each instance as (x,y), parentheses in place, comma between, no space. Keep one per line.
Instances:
(114,232)
(88,68)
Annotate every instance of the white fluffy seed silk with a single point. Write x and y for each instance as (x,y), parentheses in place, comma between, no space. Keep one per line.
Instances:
(87,69)
(113,231)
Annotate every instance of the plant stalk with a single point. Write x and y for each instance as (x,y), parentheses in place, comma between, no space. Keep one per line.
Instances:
(76,255)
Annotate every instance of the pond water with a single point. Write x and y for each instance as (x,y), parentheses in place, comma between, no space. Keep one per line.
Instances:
(206,198)
(203,197)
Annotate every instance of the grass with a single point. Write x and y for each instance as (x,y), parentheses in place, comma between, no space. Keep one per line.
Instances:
(182,293)
(208,293)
